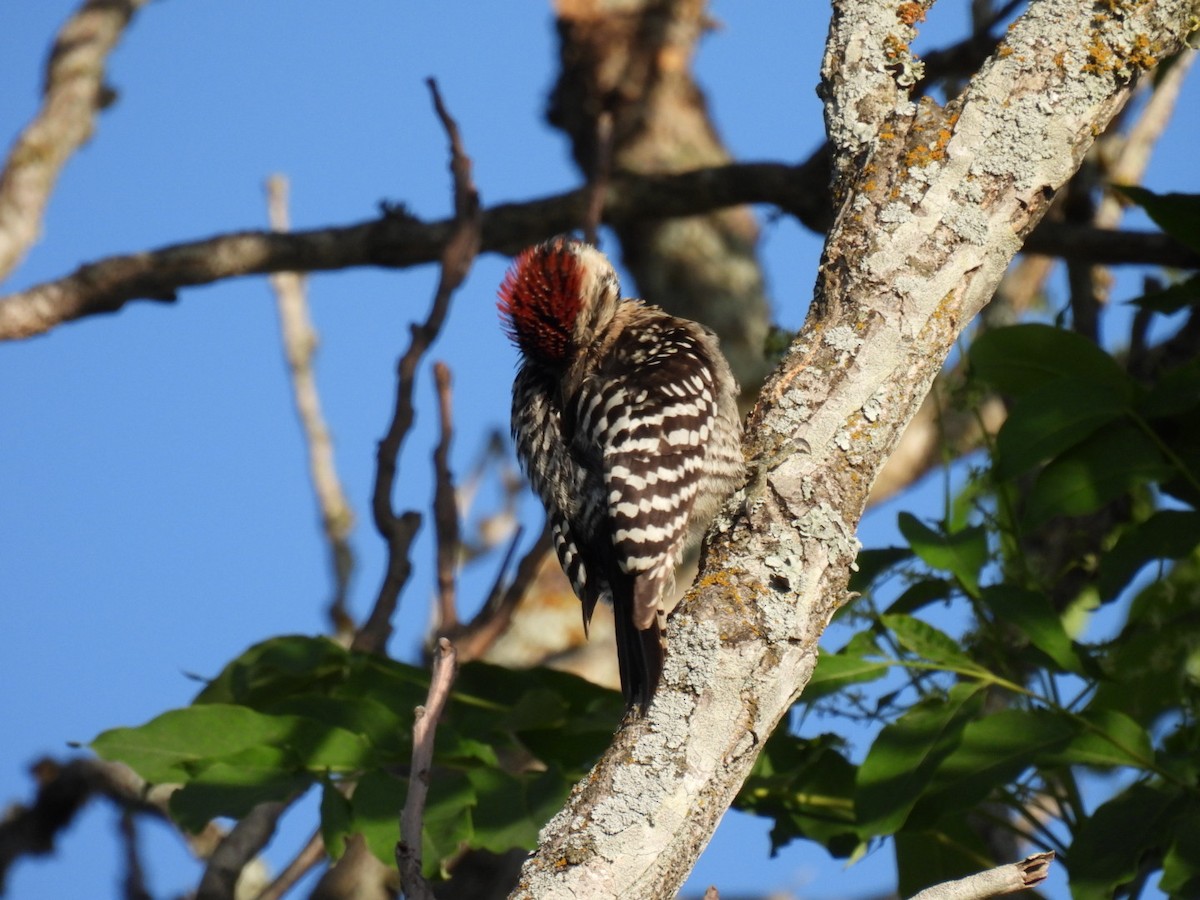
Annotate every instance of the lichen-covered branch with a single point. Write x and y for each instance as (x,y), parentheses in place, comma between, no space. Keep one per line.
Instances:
(1008,879)
(938,201)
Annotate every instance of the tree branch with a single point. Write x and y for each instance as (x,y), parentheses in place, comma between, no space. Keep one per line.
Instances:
(458,252)
(1008,879)
(445,507)
(938,206)
(252,832)
(300,346)
(73,94)
(395,241)
(408,850)
(64,789)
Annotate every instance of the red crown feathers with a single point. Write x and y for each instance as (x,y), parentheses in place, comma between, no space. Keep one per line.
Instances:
(540,300)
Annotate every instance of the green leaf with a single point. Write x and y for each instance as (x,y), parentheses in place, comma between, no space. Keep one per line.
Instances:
(1181,865)
(1176,214)
(806,786)
(1176,392)
(277,669)
(836,671)
(375,814)
(931,645)
(932,856)
(962,553)
(904,757)
(168,748)
(1022,358)
(993,752)
(1172,298)
(1054,417)
(1155,660)
(381,727)
(1032,614)
(1107,738)
(235,785)
(871,564)
(1086,477)
(336,818)
(920,594)
(1167,534)
(1111,844)
(512,809)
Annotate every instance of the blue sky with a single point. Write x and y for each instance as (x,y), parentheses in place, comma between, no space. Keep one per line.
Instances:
(156,515)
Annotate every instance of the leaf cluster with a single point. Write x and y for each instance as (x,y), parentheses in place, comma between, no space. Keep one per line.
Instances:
(295,712)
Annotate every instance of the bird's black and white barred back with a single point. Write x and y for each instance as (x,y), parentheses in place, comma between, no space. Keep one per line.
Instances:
(625,420)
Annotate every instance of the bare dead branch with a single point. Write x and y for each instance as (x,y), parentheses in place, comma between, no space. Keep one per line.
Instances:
(300,346)
(445,507)
(73,94)
(1007,879)
(408,850)
(310,855)
(64,789)
(457,253)
(240,846)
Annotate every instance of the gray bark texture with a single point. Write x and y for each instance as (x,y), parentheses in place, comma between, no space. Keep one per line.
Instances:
(934,204)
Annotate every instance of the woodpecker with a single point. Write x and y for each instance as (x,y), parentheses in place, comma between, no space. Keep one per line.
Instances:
(625,421)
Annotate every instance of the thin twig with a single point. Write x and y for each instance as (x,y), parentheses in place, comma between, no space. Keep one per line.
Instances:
(408,850)
(1007,879)
(445,507)
(310,855)
(300,345)
(73,95)
(459,251)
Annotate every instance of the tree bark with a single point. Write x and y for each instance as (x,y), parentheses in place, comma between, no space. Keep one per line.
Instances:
(934,205)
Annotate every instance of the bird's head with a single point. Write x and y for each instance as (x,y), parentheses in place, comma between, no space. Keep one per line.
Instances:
(555,297)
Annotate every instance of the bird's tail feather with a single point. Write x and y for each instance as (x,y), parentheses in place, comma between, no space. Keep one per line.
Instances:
(640,659)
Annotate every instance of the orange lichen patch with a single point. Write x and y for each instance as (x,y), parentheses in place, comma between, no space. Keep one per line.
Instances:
(1004,52)
(1060,59)
(910,13)
(1099,56)
(1144,54)
(1103,57)
(894,48)
(932,151)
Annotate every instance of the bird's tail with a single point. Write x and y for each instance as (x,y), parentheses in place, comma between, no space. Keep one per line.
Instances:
(639,657)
